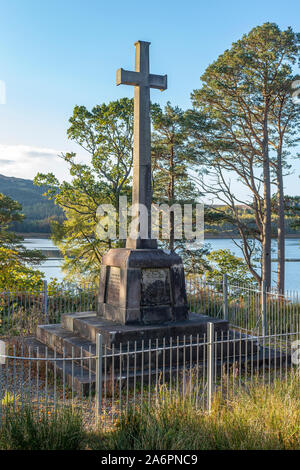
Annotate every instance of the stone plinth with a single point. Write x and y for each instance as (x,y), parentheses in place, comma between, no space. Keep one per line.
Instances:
(142,287)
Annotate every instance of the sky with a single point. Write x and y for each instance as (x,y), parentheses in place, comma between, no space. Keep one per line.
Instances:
(58,54)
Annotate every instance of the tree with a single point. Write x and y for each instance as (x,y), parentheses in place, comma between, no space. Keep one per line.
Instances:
(14,272)
(235,125)
(106,134)
(15,259)
(225,262)
(285,127)
(173,159)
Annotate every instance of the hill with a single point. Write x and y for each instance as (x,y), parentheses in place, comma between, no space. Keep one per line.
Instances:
(38,210)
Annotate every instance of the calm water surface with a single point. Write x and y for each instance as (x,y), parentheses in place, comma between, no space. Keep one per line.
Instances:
(51,267)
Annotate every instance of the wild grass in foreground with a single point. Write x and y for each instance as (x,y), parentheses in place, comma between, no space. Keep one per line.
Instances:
(257,417)
(261,417)
(27,430)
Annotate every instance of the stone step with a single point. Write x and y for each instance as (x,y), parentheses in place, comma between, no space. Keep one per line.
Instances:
(83,380)
(134,356)
(87,325)
(78,378)
(68,344)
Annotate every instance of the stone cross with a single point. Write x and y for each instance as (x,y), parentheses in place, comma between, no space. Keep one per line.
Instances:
(142,81)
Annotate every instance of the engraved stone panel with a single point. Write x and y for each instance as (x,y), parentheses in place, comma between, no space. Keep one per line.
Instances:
(155,287)
(113,286)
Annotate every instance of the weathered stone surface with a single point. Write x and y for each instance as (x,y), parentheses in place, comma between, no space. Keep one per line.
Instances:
(142,286)
(113,286)
(155,287)
(142,81)
(129,258)
(156,315)
(116,333)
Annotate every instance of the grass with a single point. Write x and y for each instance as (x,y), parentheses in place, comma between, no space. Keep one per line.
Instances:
(27,430)
(257,417)
(261,417)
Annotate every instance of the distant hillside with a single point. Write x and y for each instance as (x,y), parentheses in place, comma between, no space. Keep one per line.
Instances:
(38,210)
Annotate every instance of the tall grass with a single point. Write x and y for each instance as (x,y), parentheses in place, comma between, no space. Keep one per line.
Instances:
(25,429)
(260,417)
(256,417)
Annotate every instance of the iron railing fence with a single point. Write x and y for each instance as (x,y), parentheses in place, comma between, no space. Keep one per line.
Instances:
(257,311)
(21,310)
(253,310)
(106,382)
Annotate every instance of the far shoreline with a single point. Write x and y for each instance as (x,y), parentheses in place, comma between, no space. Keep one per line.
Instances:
(207,236)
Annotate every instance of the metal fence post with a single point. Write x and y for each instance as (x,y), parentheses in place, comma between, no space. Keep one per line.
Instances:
(264,308)
(46,300)
(210,363)
(225,297)
(99,378)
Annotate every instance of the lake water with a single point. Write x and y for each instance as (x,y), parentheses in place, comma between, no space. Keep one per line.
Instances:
(51,267)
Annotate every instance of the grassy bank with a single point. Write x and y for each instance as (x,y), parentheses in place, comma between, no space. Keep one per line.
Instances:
(261,417)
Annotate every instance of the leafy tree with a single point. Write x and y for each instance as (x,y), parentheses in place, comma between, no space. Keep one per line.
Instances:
(284,135)
(195,260)
(15,259)
(106,134)
(175,161)
(292,209)
(225,262)
(15,272)
(173,158)
(243,95)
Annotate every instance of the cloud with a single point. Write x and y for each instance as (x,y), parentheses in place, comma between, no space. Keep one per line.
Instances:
(41,153)
(24,161)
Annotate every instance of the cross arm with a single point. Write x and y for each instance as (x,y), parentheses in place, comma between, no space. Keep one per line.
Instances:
(125,77)
(158,81)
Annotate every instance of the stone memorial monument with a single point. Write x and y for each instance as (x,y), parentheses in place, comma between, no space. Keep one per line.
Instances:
(141,284)
(142,295)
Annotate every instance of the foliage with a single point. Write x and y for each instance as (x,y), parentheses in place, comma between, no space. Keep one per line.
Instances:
(22,305)
(15,259)
(106,134)
(173,158)
(195,259)
(245,123)
(14,272)
(225,262)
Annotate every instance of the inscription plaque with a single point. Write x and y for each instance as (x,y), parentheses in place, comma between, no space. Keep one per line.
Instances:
(155,287)
(113,286)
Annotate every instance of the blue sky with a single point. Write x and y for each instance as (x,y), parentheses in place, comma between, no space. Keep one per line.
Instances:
(56,54)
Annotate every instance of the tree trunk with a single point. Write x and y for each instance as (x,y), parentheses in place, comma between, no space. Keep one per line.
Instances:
(266,241)
(280,224)
(171,200)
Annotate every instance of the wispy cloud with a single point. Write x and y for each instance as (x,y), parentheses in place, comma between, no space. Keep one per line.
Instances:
(23,161)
